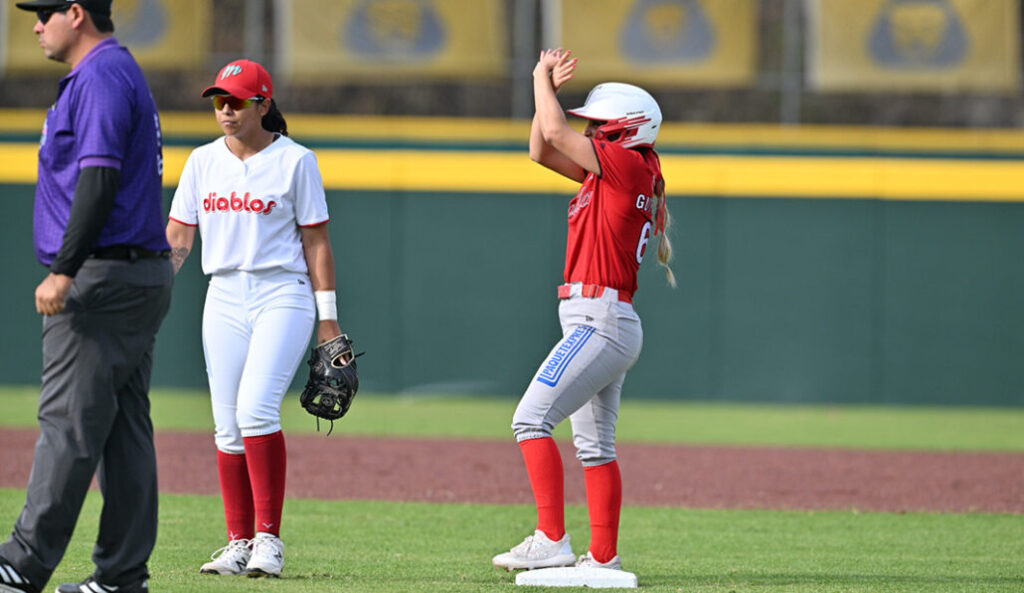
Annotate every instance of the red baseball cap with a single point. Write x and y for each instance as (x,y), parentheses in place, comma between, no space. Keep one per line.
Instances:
(243,79)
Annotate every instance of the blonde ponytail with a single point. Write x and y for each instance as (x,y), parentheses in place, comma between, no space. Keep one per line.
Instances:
(662,225)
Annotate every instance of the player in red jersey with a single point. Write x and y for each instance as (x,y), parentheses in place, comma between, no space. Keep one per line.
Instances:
(619,207)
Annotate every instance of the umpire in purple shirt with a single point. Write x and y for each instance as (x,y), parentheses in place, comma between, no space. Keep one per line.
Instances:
(99,228)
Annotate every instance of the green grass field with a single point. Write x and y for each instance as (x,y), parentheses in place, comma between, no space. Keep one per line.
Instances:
(642,421)
(380,546)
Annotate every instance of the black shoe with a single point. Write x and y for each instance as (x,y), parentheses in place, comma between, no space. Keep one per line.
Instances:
(91,585)
(11,580)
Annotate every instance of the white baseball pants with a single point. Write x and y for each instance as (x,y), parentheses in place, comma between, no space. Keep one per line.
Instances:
(581,379)
(256,330)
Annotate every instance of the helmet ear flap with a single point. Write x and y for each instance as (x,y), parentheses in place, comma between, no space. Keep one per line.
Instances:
(625,131)
(608,133)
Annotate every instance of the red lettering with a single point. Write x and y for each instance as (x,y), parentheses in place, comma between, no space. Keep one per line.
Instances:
(212,203)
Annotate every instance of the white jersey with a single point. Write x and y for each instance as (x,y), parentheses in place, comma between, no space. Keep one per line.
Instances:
(249,212)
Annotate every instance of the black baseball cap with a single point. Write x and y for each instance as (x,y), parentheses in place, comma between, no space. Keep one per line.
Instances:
(100,7)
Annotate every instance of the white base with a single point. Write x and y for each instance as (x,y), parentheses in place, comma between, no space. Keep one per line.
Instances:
(570,576)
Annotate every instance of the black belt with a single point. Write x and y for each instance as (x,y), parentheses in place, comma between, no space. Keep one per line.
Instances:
(126,252)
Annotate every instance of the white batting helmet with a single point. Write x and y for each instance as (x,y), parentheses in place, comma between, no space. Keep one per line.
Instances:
(629,111)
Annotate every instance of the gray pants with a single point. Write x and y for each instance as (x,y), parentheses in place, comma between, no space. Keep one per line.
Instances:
(94,420)
(581,379)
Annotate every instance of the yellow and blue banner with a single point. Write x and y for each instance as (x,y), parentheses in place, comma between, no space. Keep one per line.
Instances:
(711,43)
(161,34)
(914,45)
(385,39)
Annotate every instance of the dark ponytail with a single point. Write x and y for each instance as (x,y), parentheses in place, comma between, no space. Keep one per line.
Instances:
(273,121)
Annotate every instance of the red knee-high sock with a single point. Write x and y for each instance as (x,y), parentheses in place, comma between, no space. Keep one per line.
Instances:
(237,493)
(604,501)
(267,467)
(544,465)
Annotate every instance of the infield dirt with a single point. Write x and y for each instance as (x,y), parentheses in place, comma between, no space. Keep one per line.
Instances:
(450,471)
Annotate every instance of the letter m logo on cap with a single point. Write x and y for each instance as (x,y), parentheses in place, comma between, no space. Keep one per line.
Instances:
(230,70)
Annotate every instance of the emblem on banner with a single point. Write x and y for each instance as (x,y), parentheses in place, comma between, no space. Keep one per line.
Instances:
(394,28)
(140,23)
(918,33)
(667,31)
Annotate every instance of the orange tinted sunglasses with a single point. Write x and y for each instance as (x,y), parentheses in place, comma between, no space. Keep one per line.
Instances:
(236,104)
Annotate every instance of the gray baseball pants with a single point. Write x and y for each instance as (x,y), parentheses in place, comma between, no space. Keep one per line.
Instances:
(94,420)
(581,379)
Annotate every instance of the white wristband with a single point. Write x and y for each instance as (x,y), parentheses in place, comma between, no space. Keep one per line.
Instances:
(326,304)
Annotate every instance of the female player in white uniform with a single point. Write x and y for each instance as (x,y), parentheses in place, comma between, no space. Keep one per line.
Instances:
(257,199)
(620,205)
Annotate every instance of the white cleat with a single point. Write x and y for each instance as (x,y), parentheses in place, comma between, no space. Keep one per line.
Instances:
(588,561)
(267,558)
(537,551)
(231,559)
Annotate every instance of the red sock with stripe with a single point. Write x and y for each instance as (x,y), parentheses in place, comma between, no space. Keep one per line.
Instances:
(267,468)
(604,501)
(237,493)
(544,465)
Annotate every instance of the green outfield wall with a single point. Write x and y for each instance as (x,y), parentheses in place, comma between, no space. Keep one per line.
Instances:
(821,266)
(795,300)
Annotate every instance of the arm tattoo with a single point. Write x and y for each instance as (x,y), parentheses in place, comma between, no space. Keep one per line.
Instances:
(178,255)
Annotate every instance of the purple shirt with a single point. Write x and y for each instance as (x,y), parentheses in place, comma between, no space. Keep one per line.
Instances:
(104,116)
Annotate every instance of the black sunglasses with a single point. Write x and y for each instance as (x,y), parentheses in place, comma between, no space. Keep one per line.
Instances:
(45,13)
